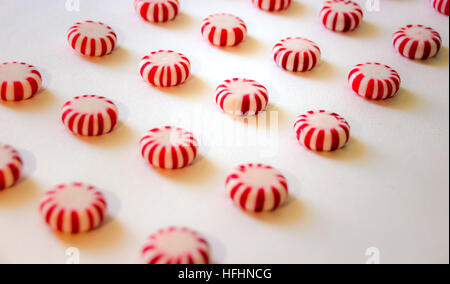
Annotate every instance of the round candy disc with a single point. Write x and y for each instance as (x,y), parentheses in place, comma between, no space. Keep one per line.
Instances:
(92,38)
(176,246)
(73,208)
(18,81)
(417,42)
(165,68)
(224,30)
(157,11)
(374,81)
(242,97)
(441,6)
(10,166)
(272,5)
(169,148)
(322,131)
(257,187)
(341,15)
(296,54)
(90,115)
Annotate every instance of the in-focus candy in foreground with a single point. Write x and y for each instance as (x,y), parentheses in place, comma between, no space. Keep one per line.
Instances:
(296,54)
(10,166)
(417,42)
(18,81)
(157,11)
(91,38)
(169,148)
(224,30)
(322,131)
(73,208)
(374,81)
(272,5)
(242,97)
(341,15)
(90,115)
(176,245)
(442,6)
(257,187)
(165,68)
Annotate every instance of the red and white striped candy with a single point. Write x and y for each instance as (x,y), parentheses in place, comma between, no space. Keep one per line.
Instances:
(157,11)
(90,115)
(257,187)
(322,131)
(92,38)
(169,148)
(417,42)
(10,166)
(374,81)
(73,208)
(341,15)
(224,30)
(441,6)
(242,97)
(18,81)
(176,246)
(296,54)
(272,5)
(165,68)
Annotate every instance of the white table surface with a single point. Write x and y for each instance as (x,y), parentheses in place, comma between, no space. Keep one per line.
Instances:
(387,189)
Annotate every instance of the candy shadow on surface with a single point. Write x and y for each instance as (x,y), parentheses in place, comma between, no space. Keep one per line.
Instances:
(440,60)
(194,87)
(355,150)
(365,30)
(404,100)
(26,188)
(297,9)
(29,164)
(101,239)
(118,57)
(25,191)
(218,249)
(114,206)
(249,47)
(198,172)
(43,99)
(182,21)
(289,214)
(325,70)
(122,134)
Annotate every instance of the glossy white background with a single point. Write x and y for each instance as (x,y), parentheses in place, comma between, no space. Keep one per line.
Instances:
(387,189)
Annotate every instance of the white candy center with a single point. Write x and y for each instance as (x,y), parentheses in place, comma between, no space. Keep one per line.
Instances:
(323,121)
(171,137)
(376,71)
(165,58)
(342,7)
(224,21)
(259,177)
(297,44)
(75,197)
(419,33)
(93,30)
(176,243)
(90,105)
(13,72)
(241,88)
